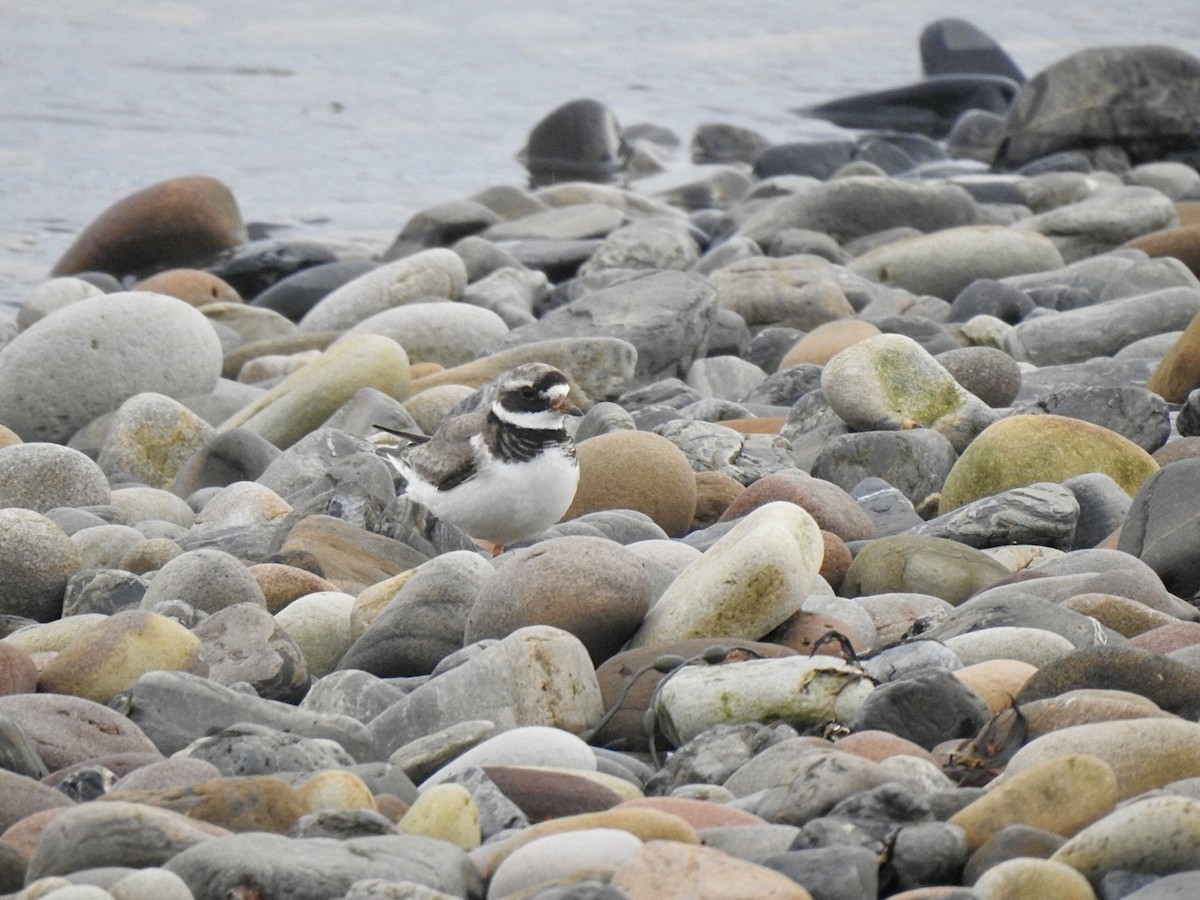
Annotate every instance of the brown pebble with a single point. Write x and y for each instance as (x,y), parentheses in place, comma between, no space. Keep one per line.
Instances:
(193,286)
(714,492)
(281,584)
(18,673)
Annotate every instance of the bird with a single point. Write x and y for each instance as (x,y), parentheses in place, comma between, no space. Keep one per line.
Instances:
(503,473)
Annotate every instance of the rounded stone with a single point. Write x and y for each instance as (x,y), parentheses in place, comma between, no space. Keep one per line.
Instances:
(636,470)
(150,884)
(119,345)
(592,587)
(801,691)
(319,623)
(284,584)
(921,565)
(1171,684)
(449,334)
(558,856)
(714,492)
(1024,449)
(112,656)
(827,340)
(831,507)
(150,437)
(891,382)
(751,580)
(209,580)
(430,407)
(178,222)
(52,295)
(1143,753)
(996,681)
(193,286)
(68,730)
(334,790)
(1062,795)
(447,812)
(240,504)
(531,745)
(36,559)
(1155,836)
(1017,879)
(140,504)
(430,273)
(667,868)
(242,642)
(579,140)
(406,625)
(231,456)
(990,374)
(1178,372)
(149,555)
(18,672)
(1034,646)
(305,399)
(547,793)
(43,476)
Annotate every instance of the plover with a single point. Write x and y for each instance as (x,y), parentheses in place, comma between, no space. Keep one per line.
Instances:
(503,473)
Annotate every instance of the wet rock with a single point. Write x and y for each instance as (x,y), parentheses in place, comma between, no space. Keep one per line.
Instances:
(179,222)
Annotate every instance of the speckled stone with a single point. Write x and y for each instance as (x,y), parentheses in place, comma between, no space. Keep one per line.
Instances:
(1063,795)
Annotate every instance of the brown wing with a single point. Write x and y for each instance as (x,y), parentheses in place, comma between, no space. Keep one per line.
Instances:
(447,459)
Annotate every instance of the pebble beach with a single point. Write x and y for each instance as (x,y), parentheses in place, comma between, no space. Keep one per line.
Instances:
(880,580)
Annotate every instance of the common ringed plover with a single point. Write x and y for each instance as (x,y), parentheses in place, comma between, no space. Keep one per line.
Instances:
(503,473)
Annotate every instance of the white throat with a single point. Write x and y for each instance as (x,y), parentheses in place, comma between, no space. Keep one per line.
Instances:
(544,420)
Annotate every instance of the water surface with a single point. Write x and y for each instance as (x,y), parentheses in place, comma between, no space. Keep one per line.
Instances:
(341,118)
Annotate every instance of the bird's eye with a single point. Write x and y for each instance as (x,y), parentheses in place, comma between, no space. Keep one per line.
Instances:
(528,392)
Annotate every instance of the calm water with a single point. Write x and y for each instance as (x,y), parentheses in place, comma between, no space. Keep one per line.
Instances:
(343,117)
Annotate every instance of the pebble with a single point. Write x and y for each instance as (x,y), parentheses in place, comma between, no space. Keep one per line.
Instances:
(447,812)
(920,564)
(890,382)
(141,342)
(1101,329)
(1025,449)
(1018,878)
(322,867)
(36,560)
(180,221)
(111,656)
(591,587)
(176,708)
(244,644)
(46,476)
(662,868)
(1062,795)
(306,398)
(747,583)
(1143,753)
(945,262)
(801,691)
(914,462)
(1156,835)
(424,618)
(502,684)
(957,406)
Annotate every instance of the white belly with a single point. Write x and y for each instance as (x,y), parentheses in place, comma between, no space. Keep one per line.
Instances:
(506,502)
